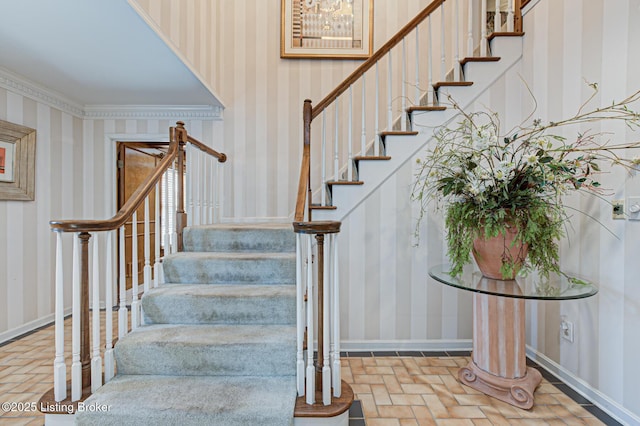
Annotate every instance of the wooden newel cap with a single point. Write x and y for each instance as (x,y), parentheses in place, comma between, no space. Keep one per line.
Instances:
(180,123)
(317,227)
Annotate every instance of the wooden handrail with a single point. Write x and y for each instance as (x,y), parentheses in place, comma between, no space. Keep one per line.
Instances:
(393,41)
(177,136)
(202,147)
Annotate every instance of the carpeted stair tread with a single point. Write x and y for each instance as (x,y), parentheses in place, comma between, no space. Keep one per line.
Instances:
(169,349)
(220,304)
(187,401)
(254,237)
(223,268)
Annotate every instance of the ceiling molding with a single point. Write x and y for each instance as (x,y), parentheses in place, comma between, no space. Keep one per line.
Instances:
(28,89)
(31,90)
(151,112)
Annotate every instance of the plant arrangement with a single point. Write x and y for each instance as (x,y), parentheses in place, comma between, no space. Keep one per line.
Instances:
(492,184)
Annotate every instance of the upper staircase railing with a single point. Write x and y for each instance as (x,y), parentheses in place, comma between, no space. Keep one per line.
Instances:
(159,199)
(428,53)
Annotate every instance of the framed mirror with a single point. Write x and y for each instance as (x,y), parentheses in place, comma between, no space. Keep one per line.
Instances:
(17,162)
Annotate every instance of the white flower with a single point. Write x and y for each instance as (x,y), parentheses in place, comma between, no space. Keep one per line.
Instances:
(532,159)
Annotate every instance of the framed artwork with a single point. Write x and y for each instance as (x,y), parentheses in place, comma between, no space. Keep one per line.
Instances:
(337,29)
(17,162)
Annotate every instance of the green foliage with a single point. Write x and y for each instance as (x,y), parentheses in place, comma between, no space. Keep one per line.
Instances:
(489,182)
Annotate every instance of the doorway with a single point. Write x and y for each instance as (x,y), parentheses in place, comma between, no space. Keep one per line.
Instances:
(135,162)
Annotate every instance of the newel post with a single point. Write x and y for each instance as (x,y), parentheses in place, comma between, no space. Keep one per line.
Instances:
(181,216)
(306,119)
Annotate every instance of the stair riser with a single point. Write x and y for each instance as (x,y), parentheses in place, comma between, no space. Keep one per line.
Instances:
(219,310)
(208,239)
(218,271)
(169,359)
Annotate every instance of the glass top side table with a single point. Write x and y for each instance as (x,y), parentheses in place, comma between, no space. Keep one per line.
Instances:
(498,362)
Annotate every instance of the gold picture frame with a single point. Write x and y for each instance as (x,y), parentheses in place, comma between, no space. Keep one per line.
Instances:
(17,162)
(333,29)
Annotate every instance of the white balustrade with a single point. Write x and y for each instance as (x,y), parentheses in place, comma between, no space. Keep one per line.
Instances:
(109,361)
(135,302)
(323,159)
(350,136)
(157,266)
(96,359)
(403,86)
(146,271)
(59,364)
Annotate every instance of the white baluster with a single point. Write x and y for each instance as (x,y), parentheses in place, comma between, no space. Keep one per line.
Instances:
(59,364)
(403,120)
(335,310)
(108,301)
(323,159)
(146,271)
(203,188)
(389,95)
(216,194)
(326,328)
(497,24)
(429,62)
(166,212)
(96,359)
(470,28)
(510,16)
(135,303)
(417,91)
(363,137)
(157,231)
(336,152)
(443,58)
(76,365)
(122,312)
(299,317)
(174,212)
(189,183)
(195,164)
(311,369)
(456,42)
(376,145)
(483,28)
(204,216)
(350,174)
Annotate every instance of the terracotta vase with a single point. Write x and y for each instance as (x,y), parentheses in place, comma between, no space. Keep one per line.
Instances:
(490,253)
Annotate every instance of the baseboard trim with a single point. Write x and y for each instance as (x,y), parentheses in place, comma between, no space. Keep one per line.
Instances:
(29,327)
(406,345)
(602,401)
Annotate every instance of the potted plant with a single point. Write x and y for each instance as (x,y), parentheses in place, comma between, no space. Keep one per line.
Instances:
(504,191)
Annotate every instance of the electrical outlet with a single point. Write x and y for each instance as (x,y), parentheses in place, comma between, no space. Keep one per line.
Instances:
(566,330)
(617,209)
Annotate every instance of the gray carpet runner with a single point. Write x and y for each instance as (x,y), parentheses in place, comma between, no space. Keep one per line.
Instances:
(218,343)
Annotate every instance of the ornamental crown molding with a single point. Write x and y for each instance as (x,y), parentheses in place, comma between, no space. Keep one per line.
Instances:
(29,89)
(151,112)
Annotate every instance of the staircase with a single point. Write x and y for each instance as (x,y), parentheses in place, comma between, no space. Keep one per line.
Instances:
(218,344)
(396,147)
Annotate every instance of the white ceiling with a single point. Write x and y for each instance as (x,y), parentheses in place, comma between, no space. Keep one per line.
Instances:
(94,52)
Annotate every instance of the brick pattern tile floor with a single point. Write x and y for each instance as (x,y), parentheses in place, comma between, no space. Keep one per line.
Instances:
(391,390)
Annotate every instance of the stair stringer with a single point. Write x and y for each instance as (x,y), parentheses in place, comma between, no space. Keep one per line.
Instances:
(403,148)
